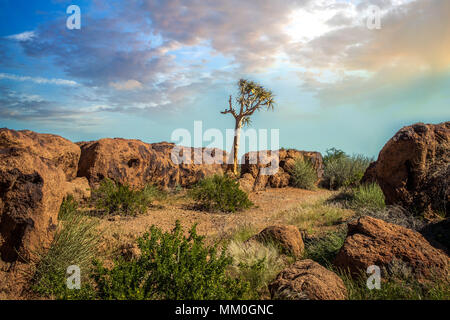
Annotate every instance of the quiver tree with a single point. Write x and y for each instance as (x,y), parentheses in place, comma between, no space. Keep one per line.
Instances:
(251,97)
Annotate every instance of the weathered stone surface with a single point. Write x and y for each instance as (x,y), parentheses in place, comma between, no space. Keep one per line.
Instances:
(255,162)
(372,241)
(307,280)
(136,163)
(288,238)
(79,188)
(413,168)
(34,170)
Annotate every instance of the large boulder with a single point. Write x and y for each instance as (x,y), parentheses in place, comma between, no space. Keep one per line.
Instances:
(271,168)
(34,170)
(136,163)
(413,168)
(371,241)
(307,280)
(288,238)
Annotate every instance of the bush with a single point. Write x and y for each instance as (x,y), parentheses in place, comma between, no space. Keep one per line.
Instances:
(324,249)
(368,196)
(303,175)
(74,243)
(112,198)
(171,266)
(68,207)
(341,170)
(220,193)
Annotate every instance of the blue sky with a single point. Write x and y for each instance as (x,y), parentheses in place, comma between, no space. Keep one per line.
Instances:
(143,68)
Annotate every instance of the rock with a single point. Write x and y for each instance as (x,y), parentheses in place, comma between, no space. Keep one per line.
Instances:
(255,162)
(79,188)
(413,168)
(280,179)
(288,238)
(136,163)
(34,170)
(307,280)
(372,241)
(246,182)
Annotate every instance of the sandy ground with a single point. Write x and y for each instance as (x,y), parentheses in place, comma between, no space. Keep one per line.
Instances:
(117,231)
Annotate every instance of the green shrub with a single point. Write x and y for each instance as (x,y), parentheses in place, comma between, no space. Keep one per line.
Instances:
(112,198)
(220,193)
(341,170)
(303,174)
(74,243)
(368,196)
(324,249)
(171,266)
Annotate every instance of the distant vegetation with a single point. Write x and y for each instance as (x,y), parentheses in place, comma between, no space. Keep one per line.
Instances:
(342,170)
(303,174)
(220,193)
(113,198)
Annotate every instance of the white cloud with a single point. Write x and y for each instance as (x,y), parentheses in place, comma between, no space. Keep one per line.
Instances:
(126,85)
(38,80)
(24,36)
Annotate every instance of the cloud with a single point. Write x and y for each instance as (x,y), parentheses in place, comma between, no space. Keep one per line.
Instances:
(38,80)
(24,36)
(126,85)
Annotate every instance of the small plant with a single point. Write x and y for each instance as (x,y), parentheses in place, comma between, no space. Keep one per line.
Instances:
(220,193)
(68,207)
(303,175)
(74,243)
(395,288)
(171,266)
(325,248)
(368,196)
(341,170)
(257,263)
(112,198)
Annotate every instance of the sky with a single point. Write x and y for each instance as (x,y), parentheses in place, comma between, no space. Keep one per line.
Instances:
(141,69)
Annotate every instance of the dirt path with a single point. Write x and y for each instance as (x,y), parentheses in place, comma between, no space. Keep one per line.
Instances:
(268,204)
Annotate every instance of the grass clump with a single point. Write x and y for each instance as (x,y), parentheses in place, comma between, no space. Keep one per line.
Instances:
(395,287)
(368,196)
(75,243)
(257,263)
(342,170)
(316,216)
(220,193)
(171,266)
(112,198)
(303,175)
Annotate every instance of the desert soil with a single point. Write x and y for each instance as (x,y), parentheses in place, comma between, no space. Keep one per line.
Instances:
(117,231)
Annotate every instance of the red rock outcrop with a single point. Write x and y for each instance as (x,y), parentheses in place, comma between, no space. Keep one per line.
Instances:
(288,238)
(136,163)
(255,162)
(413,168)
(372,241)
(307,280)
(34,172)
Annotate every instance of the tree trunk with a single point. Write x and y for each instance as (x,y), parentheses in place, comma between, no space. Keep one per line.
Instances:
(237,135)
